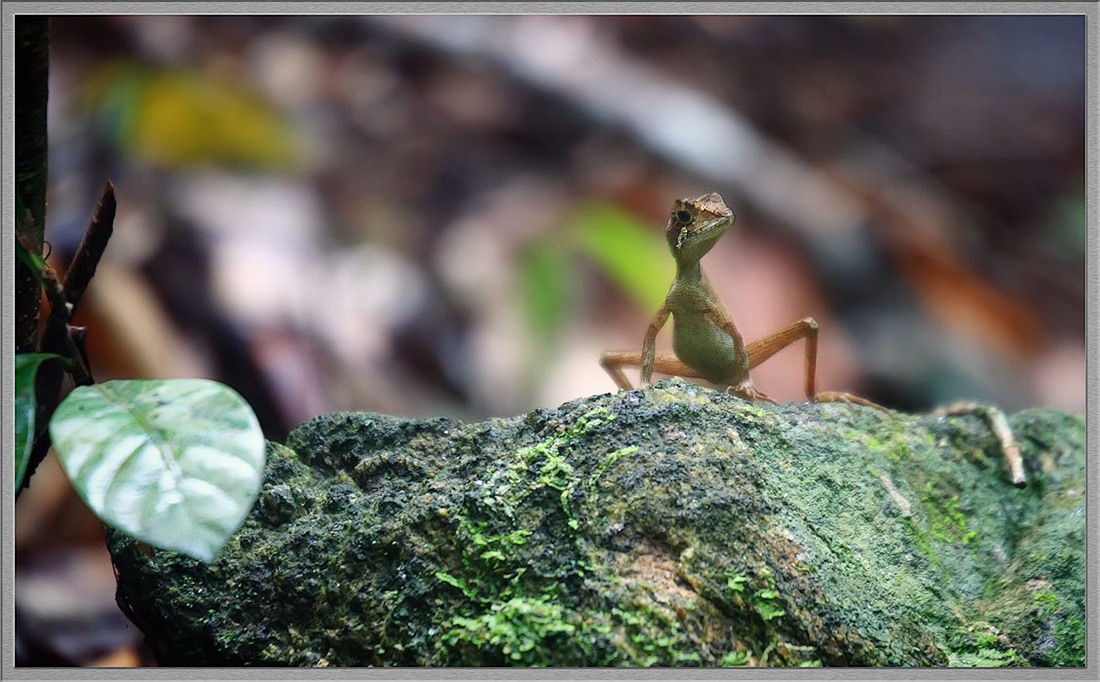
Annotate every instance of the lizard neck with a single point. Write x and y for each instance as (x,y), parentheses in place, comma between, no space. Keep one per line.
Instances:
(690,274)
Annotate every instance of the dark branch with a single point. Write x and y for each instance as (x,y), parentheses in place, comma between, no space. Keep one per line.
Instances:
(32,70)
(84,263)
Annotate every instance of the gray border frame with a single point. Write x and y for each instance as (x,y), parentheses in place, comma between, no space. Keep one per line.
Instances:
(8,10)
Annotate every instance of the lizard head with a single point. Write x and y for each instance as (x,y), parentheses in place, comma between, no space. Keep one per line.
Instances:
(694,225)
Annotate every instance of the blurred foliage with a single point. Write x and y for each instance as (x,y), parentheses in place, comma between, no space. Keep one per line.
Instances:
(629,251)
(188,117)
(546,277)
(1068,223)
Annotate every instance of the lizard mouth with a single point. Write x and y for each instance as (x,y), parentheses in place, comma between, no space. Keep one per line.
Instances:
(688,230)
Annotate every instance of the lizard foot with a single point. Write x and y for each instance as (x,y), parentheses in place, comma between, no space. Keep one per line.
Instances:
(749,392)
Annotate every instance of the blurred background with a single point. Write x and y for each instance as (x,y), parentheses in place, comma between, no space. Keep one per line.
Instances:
(455,215)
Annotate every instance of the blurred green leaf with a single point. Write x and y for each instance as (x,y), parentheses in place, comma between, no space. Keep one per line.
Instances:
(545,280)
(26,408)
(174,463)
(1067,224)
(631,252)
(188,117)
(34,262)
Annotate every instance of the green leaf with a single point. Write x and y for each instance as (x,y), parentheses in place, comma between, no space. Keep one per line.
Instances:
(769,612)
(450,580)
(632,253)
(175,463)
(26,408)
(545,281)
(735,659)
(736,581)
(34,262)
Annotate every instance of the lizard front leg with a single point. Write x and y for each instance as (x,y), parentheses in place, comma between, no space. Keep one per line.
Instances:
(649,343)
(614,361)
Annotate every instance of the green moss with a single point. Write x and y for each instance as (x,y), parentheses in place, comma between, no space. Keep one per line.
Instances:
(764,599)
(521,631)
(984,658)
(1068,636)
(735,659)
(981,645)
(946,522)
(650,637)
(675,526)
(544,465)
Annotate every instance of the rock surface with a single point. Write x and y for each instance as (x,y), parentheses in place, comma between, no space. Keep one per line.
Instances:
(674,526)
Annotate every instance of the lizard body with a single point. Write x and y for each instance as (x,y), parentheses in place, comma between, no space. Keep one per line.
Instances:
(707,345)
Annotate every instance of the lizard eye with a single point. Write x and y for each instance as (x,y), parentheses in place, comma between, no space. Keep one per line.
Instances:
(683,217)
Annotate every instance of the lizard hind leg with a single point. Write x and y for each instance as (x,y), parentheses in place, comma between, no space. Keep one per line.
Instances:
(806,328)
(614,361)
(998,423)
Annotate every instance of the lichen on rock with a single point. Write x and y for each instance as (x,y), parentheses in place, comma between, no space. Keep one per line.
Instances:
(676,526)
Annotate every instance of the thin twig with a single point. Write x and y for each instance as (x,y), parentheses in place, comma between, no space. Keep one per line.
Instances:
(84,263)
(61,337)
(999,424)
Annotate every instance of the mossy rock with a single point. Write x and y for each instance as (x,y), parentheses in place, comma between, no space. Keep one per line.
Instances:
(676,526)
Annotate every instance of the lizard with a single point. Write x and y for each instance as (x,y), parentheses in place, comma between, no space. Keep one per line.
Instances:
(707,345)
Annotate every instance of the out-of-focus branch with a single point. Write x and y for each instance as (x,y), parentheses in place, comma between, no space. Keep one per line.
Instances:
(82,268)
(32,65)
